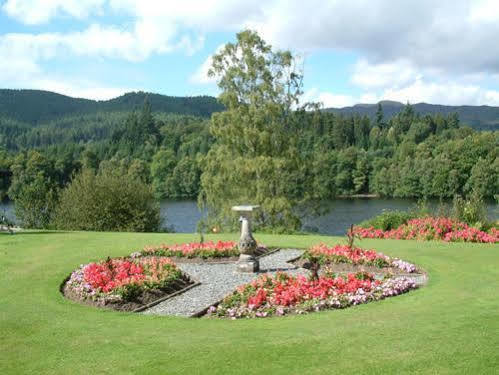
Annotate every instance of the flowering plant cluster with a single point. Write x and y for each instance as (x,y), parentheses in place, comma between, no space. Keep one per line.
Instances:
(284,294)
(122,279)
(208,249)
(355,255)
(432,228)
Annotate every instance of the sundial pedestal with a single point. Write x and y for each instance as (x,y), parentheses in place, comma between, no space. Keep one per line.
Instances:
(247,246)
(247,263)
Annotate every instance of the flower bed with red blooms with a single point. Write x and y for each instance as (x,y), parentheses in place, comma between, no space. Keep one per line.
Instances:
(284,294)
(204,250)
(120,281)
(355,255)
(432,228)
(208,249)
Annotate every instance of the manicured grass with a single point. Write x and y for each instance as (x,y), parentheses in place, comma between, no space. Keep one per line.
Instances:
(450,326)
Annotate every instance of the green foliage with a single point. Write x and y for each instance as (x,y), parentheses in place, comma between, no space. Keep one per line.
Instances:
(185,179)
(162,166)
(5,174)
(107,202)
(34,189)
(408,156)
(484,178)
(471,210)
(388,220)
(254,158)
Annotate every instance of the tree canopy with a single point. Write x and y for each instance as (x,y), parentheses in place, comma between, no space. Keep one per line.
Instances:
(254,157)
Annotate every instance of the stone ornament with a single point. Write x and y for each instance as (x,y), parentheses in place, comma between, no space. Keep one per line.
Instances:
(247,244)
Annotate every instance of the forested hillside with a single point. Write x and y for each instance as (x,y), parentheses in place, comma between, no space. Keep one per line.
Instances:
(407,156)
(478,117)
(37,107)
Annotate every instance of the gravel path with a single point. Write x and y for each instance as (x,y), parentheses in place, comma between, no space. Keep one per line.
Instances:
(218,280)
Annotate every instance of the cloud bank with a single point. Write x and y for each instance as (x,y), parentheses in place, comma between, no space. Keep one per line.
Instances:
(441,52)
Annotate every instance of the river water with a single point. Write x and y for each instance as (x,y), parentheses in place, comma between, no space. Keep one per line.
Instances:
(182,216)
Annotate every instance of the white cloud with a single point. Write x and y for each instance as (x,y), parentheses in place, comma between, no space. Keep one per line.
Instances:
(200,76)
(154,32)
(96,40)
(71,87)
(335,100)
(80,89)
(397,73)
(404,82)
(455,35)
(327,99)
(429,34)
(484,11)
(418,51)
(451,35)
(89,90)
(20,67)
(447,93)
(35,12)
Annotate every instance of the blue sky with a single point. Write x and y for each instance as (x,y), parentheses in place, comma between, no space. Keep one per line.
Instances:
(356,51)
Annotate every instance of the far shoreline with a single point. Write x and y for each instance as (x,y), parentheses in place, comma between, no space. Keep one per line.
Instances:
(349,196)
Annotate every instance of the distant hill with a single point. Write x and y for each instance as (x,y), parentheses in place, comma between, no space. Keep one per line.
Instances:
(36,106)
(479,117)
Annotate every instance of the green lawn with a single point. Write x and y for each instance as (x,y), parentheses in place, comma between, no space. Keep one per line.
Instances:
(450,326)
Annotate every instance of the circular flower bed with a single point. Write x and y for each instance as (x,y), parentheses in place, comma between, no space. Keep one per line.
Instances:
(124,283)
(432,228)
(284,294)
(148,277)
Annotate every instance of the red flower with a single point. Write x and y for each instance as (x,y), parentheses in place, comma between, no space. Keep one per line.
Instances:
(437,228)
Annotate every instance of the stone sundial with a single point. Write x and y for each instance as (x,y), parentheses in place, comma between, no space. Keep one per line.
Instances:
(247,245)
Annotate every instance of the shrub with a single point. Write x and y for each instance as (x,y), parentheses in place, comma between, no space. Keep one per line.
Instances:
(388,220)
(34,189)
(472,210)
(104,202)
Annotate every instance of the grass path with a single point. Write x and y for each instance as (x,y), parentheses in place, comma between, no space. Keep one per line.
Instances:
(450,326)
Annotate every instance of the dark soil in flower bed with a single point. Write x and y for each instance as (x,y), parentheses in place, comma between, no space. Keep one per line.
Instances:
(146,297)
(352,268)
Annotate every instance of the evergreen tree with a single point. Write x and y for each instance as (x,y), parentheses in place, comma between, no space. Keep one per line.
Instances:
(379,117)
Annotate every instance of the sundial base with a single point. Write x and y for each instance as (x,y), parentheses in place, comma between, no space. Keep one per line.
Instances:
(247,263)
